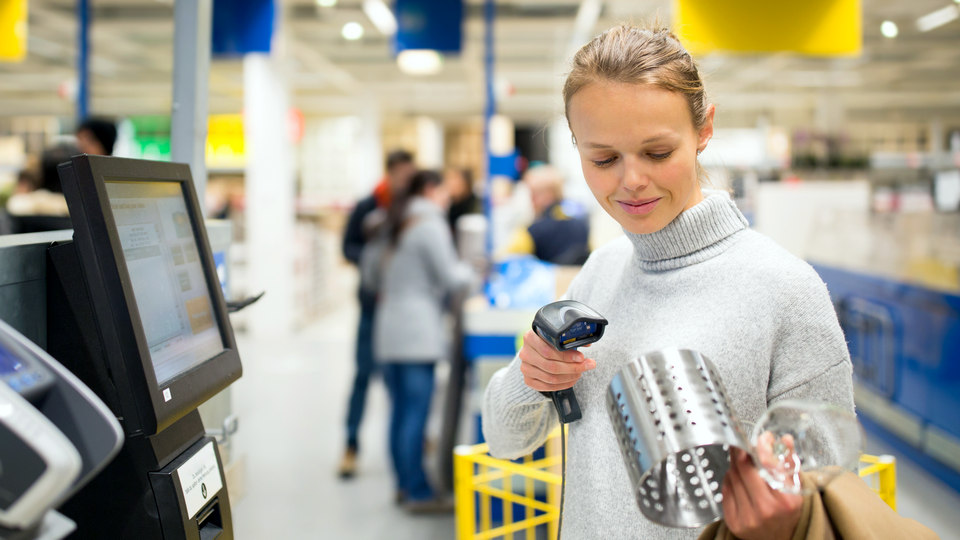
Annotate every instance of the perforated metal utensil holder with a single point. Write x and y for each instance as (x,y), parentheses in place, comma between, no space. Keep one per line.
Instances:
(670,413)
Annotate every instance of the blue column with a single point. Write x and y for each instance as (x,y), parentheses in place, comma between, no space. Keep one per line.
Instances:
(490,109)
(83,52)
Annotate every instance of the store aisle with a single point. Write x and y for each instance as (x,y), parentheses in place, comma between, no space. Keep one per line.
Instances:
(291,402)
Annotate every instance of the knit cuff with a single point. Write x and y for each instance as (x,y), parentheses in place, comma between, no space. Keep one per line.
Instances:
(514,390)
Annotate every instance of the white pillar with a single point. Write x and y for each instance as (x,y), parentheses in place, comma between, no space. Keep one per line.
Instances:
(429,143)
(270,188)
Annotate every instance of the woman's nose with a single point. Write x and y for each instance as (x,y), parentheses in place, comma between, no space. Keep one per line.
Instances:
(634,175)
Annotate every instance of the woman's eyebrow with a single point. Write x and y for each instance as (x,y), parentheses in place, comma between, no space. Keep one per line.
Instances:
(648,140)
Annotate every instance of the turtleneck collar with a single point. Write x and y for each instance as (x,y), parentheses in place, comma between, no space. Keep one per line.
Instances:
(697,234)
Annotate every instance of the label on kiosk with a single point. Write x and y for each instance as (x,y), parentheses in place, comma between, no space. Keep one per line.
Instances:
(199,479)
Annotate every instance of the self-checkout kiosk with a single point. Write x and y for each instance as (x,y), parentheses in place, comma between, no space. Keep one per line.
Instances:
(135,310)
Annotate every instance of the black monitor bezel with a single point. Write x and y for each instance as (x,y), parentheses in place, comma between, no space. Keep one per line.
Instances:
(112,297)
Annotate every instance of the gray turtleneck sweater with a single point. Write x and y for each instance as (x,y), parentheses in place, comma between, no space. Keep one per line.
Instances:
(704,282)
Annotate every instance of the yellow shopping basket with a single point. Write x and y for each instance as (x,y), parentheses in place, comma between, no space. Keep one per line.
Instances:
(497,498)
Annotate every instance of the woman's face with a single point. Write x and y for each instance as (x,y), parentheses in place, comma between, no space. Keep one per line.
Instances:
(638,149)
(438,194)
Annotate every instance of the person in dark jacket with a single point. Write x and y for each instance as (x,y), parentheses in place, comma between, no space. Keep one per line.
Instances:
(557,234)
(400,167)
(459,183)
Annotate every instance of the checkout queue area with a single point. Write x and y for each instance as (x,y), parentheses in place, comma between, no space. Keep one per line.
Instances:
(299,268)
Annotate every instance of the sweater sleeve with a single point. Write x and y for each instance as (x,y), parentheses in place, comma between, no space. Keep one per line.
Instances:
(516,418)
(810,357)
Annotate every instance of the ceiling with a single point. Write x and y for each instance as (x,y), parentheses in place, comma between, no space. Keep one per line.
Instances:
(913,78)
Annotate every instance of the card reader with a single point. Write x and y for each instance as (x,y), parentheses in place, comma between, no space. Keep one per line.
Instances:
(37,462)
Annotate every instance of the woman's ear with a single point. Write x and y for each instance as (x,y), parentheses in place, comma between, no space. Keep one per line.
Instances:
(706,131)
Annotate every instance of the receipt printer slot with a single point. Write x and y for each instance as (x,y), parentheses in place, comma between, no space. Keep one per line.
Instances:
(209,522)
(191,495)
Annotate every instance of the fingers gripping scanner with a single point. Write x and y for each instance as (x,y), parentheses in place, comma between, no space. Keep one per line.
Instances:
(566,325)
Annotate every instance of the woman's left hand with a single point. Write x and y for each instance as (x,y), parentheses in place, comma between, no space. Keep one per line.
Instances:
(752,509)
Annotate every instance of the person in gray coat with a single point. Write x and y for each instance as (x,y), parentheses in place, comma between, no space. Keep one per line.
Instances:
(416,268)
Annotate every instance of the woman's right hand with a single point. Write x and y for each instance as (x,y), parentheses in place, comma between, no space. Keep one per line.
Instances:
(546,369)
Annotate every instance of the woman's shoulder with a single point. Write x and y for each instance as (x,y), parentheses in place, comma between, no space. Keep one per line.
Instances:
(427,227)
(761,257)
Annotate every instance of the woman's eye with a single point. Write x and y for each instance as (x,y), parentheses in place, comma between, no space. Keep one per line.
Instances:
(662,156)
(604,162)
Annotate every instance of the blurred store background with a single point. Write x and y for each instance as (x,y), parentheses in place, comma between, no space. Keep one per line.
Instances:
(838,133)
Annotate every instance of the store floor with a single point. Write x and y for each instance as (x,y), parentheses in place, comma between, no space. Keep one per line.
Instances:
(291,402)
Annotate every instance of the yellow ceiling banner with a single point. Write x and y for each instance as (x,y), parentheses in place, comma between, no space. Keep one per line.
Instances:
(225,148)
(813,27)
(13,30)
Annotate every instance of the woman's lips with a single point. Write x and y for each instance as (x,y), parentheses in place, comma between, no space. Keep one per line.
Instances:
(640,207)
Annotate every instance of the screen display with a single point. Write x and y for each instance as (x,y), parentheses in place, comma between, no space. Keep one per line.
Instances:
(8,362)
(169,284)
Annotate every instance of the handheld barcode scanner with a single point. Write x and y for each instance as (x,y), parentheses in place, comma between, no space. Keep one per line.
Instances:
(565,325)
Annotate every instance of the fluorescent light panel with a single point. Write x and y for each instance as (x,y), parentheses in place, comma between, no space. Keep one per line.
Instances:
(938,18)
(381,16)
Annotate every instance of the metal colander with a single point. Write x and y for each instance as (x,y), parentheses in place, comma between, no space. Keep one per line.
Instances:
(670,413)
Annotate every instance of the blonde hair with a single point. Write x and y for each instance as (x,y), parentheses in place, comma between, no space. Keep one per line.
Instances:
(638,55)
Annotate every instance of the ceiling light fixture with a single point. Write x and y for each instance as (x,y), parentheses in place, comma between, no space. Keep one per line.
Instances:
(352,31)
(326,3)
(889,29)
(938,18)
(419,61)
(381,16)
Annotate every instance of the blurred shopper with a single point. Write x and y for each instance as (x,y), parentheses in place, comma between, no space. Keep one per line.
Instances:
(459,183)
(687,273)
(27,181)
(417,268)
(400,168)
(96,136)
(555,235)
(44,208)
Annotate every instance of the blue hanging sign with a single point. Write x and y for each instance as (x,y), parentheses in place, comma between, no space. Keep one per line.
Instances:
(241,27)
(429,24)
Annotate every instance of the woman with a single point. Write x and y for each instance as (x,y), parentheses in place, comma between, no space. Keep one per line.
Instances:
(688,273)
(418,268)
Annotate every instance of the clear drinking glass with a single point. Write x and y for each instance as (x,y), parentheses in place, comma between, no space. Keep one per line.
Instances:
(817,438)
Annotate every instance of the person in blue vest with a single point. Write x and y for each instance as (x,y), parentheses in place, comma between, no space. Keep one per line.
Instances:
(560,232)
